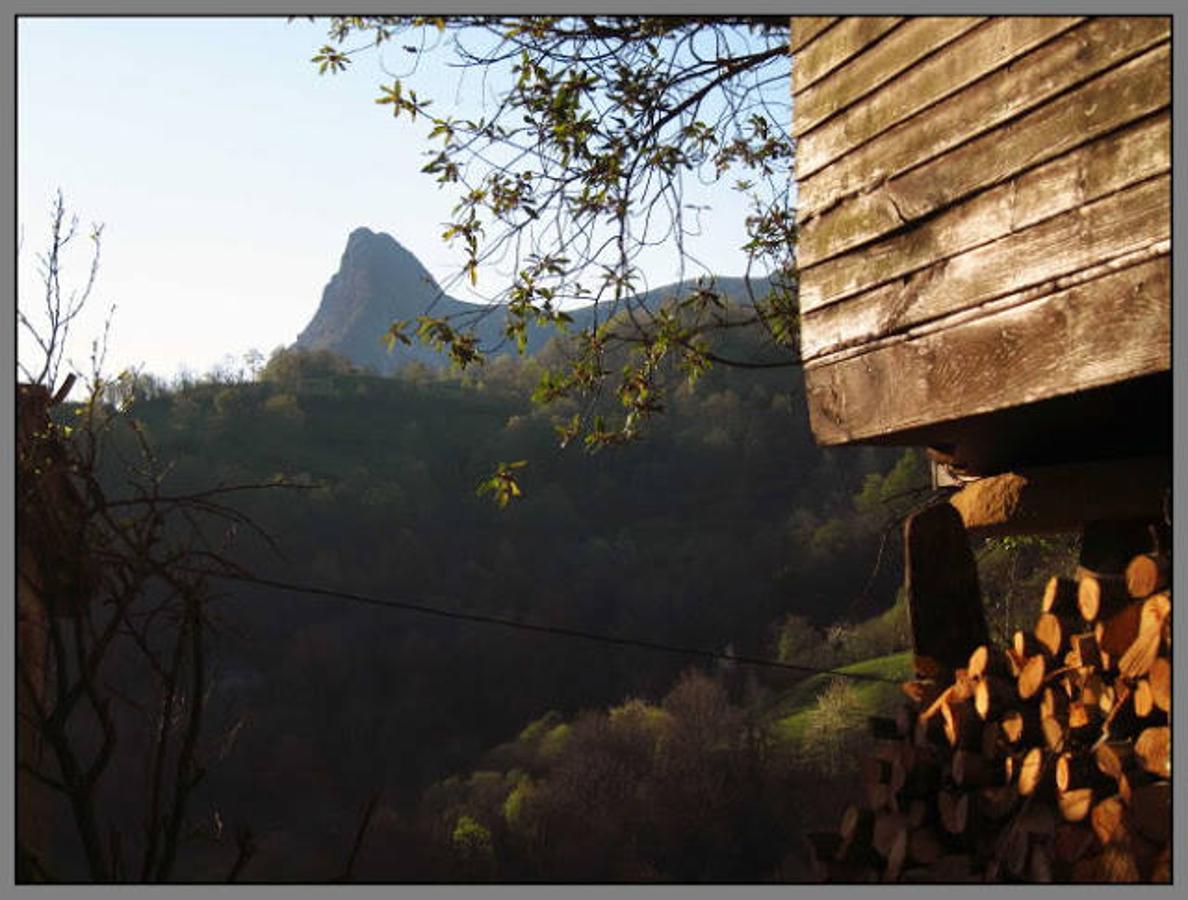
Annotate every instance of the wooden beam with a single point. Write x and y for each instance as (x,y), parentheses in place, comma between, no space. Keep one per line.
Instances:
(1108,330)
(1054,499)
(941,580)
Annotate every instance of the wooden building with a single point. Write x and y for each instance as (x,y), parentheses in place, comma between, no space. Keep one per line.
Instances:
(984,254)
(984,234)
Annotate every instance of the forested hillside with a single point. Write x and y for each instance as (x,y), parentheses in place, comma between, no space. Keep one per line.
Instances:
(727,526)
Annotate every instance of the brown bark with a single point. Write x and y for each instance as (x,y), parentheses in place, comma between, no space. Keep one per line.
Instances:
(961,723)
(1113,757)
(996,803)
(922,779)
(889,827)
(1092,690)
(1015,849)
(994,745)
(1012,765)
(857,825)
(917,812)
(1087,652)
(1121,721)
(988,660)
(1150,811)
(944,602)
(1073,842)
(1025,645)
(1119,630)
(1079,770)
(924,846)
(1060,596)
(1100,596)
(1117,865)
(1108,820)
(1141,654)
(993,696)
(1108,545)
(953,809)
(1054,703)
(930,731)
(1039,864)
(896,856)
(1161,867)
(972,770)
(1022,726)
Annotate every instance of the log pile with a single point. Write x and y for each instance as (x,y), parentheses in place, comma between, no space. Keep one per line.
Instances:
(1044,761)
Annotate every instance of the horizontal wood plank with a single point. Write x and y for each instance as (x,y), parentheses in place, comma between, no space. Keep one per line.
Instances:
(1098,333)
(844,40)
(1124,94)
(1122,223)
(806,28)
(1075,56)
(1108,164)
(972,53)
(864,74)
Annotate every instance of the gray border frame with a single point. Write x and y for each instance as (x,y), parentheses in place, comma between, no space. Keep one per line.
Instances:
(8,233)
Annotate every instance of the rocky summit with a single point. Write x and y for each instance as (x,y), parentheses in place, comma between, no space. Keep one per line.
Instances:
(379,281)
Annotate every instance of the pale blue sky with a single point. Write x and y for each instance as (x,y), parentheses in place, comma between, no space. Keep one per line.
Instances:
(228,175)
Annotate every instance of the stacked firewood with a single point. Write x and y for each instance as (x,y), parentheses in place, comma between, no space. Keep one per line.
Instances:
(1045,761)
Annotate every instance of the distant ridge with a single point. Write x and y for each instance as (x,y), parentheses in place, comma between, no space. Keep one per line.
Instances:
(379,281)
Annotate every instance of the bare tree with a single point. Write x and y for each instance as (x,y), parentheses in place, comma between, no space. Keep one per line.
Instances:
(114,600)
(49,328)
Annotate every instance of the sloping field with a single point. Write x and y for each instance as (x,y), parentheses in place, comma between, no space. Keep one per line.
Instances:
(793,711)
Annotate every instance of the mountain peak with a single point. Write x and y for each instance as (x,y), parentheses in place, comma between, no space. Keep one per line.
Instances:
(378,280)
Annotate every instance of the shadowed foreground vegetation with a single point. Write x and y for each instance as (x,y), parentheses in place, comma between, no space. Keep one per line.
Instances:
(728,529)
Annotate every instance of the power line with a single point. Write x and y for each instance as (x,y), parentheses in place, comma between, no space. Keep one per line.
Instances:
(408,606)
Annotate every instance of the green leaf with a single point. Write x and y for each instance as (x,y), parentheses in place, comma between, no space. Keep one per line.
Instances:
(502,485)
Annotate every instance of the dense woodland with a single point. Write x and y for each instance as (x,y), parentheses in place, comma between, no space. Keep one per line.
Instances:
(475,751)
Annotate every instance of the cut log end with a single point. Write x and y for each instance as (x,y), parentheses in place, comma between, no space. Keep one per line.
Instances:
(1146,574)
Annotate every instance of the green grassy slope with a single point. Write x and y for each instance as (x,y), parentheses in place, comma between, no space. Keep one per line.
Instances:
(792,712)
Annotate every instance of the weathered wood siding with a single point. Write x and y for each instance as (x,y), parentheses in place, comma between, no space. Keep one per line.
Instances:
(984,213)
